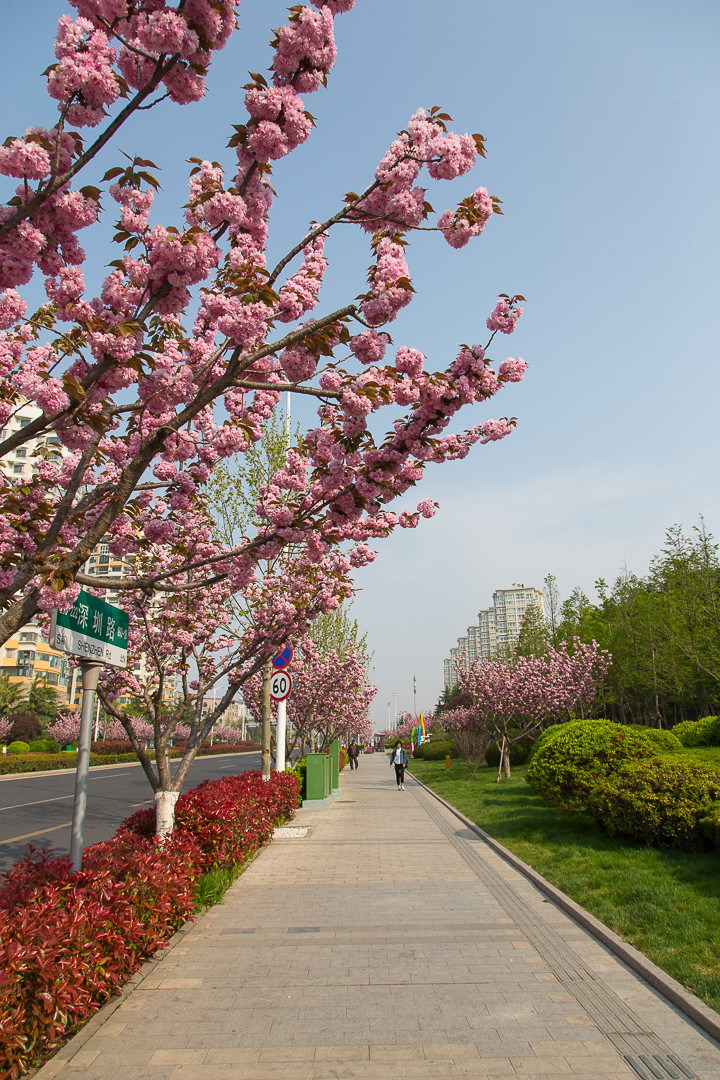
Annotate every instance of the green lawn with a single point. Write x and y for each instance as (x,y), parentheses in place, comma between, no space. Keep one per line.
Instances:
(662,901)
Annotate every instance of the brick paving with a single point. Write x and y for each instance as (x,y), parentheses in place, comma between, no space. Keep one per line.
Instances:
(388,941)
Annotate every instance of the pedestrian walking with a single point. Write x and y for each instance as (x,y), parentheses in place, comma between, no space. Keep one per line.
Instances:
(353,755)
(398,758)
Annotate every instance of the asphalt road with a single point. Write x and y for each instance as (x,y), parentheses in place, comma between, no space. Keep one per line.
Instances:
(37,809)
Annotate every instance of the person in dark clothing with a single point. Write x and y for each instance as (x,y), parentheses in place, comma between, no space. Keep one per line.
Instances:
(398,758)
(353,755)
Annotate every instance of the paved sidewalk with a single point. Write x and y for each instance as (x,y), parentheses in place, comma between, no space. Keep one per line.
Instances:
(389,941)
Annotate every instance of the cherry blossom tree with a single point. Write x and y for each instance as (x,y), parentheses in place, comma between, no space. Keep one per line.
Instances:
(331,695)
(65,729)
(511,699)
(181,652)
(178,358)
(470,732)
(225,733)
(5,729)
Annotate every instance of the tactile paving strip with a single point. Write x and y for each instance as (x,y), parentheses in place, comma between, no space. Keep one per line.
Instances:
(647,1055)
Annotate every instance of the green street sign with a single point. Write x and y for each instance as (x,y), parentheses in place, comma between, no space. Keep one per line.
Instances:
(93,629)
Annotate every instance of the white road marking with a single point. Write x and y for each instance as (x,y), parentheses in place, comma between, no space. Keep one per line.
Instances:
(40,832)
(20,805)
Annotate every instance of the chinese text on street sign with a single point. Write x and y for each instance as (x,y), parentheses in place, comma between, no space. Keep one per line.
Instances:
(92,629)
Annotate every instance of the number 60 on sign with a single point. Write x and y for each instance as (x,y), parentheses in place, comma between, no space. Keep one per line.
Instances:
(280,686)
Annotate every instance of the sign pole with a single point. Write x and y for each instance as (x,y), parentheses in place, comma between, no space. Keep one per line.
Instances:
(90,672)
(280,736)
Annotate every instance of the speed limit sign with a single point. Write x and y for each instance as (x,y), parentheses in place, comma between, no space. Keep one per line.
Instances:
(280,685)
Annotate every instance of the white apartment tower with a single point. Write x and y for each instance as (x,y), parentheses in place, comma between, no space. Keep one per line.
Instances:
(497,630)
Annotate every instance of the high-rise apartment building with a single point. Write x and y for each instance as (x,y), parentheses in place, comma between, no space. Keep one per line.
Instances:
(497,629)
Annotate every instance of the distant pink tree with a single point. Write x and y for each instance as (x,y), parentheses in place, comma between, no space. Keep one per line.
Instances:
(65,729)
(512,699)
(224,733)
(5,729)
(469,730)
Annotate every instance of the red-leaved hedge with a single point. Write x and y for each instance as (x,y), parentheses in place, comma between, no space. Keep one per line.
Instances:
(69,941)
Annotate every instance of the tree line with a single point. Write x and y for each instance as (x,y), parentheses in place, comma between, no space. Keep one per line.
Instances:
(662,629)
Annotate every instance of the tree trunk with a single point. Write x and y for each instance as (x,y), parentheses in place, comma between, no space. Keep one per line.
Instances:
(266,713)
(165,814)
(502,760)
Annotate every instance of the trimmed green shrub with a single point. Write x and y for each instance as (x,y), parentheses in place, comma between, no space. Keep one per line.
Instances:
(519,753)
(44,746)
(571,763)
(299,769)
(18,747)
(656,802)
(435,751)
(552,731)
(704,732)
(664,741)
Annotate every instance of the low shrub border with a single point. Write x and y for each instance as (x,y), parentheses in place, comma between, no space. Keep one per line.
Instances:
(69,941)
(28,762)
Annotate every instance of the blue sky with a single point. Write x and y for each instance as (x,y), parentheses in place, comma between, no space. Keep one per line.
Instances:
(602,124)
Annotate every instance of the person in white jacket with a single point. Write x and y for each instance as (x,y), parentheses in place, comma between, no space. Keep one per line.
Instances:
(398,758)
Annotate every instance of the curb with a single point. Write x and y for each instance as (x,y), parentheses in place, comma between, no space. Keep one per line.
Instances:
(674,992)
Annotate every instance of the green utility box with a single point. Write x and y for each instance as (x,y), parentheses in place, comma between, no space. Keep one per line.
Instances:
(335,765)
(318,777)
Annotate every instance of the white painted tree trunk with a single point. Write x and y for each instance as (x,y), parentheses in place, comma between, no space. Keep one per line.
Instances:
(165,822)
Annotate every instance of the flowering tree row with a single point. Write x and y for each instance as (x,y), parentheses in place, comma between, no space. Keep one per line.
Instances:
(177,360)
(331,696)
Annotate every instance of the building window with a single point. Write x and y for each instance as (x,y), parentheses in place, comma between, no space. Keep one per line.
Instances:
(26,661)
(18,468)
(24,421)
(21,453)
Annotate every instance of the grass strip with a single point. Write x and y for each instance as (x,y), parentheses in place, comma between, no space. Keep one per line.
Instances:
(662,901)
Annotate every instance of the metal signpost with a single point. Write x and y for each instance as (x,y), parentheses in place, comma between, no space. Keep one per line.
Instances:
(281,686)
(98,633)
